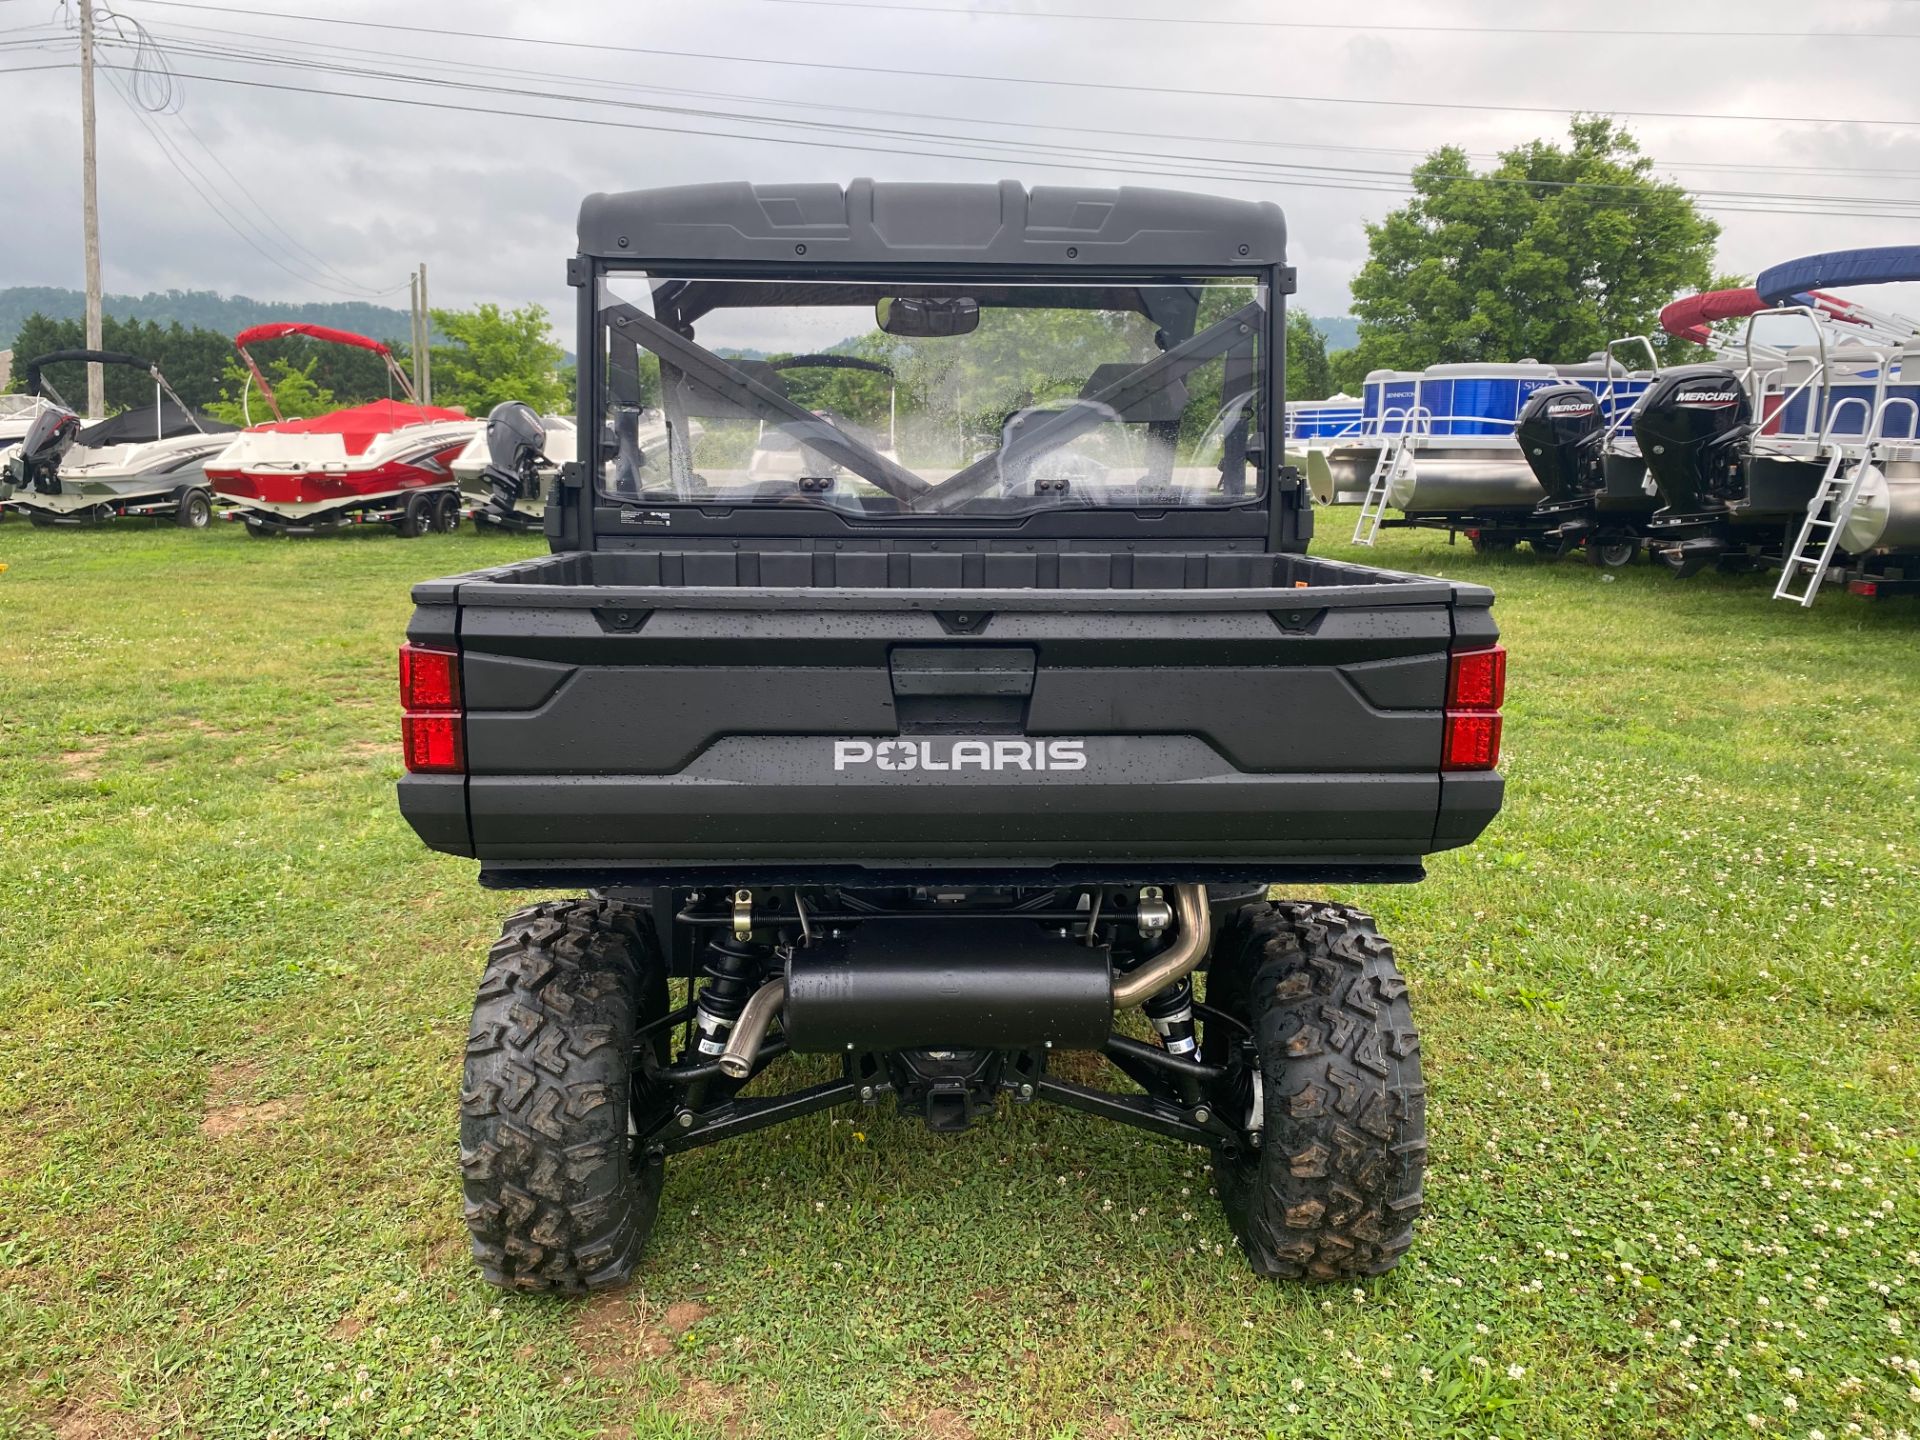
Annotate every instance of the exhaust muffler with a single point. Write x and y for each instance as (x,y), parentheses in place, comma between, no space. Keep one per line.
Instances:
(961,984)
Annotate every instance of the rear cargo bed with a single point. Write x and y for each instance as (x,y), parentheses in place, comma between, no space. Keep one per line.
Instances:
(953,712)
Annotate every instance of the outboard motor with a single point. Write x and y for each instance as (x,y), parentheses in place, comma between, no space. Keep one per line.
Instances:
(1693,429)
(516,448)
(1562,434)
(35,464)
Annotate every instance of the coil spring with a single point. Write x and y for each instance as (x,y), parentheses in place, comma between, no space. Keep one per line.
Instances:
(732,968)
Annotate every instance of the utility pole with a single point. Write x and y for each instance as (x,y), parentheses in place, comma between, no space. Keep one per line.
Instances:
(413,328)
(90,183)
(426,341)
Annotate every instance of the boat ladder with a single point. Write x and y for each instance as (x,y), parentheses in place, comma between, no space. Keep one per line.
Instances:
(1395,452)
(1828,511)
(1811,555)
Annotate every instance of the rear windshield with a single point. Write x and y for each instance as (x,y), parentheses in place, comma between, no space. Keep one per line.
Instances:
(932,398)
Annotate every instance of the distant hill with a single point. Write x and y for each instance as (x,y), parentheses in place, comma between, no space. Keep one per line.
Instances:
(205,308)
(1342,331)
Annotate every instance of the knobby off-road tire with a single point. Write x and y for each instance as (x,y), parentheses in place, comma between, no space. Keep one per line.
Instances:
(556,1196)
(1334,1188)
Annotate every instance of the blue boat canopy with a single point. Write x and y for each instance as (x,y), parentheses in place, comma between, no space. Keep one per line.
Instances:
(1882,265)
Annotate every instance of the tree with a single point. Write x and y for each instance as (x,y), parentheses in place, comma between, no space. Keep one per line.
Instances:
(1309,376)
(190,359)
(1549,255)
(495,355)
(295,390)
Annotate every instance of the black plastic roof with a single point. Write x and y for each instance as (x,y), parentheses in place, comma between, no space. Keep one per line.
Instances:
(894,223)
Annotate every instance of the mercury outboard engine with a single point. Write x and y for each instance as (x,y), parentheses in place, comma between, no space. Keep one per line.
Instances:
(35,464)
(1562,434)
(516,448)
(1693,429)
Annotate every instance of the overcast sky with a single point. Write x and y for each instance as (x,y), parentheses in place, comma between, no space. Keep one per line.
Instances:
(488,201)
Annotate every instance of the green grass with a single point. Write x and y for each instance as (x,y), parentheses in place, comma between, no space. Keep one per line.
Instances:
(1670,1004)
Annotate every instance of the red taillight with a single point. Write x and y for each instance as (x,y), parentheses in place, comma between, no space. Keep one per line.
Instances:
(431,731)
(1477,679)
(432,743)
(1476,688)
(1868,588)
(429,679)
(1472,742)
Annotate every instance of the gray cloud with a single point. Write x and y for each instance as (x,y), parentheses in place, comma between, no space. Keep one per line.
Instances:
(488,200)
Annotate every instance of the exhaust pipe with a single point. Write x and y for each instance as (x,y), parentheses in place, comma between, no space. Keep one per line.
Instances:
(1178,960)
(1129,991)
(743,1045)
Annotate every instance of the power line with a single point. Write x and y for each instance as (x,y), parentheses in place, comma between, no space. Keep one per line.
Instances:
(1367,26)
(202,186)
(226,36)
(1126,169)
(1217,166)
(896,72)
(723,135)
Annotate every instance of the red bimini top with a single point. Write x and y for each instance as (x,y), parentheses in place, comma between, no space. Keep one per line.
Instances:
(1692,317)
(282,328)
(361,425)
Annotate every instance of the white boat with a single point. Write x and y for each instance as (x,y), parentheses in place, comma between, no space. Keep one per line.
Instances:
(17,414)
(142,462)
(387,462)
(520,503)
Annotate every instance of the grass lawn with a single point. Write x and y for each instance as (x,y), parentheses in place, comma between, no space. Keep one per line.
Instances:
(1670,1003)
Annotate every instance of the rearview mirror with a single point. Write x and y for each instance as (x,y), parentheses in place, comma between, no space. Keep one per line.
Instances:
(920,319)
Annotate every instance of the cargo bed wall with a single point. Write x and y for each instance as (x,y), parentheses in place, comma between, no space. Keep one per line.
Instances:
(1156,715)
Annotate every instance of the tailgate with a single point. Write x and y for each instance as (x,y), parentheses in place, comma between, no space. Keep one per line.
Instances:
(665,732)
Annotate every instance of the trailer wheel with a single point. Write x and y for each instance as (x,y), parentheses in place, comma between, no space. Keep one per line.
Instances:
(446,513)
(195,512)
(1329,1184)
(416,517)
(1612,554)
(259,529)
(1485,544)
(557,1195)
(39,521)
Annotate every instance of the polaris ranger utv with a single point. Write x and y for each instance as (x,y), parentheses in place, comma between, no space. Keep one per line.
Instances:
(947,760)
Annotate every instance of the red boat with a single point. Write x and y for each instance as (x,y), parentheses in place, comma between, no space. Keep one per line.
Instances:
(387,462)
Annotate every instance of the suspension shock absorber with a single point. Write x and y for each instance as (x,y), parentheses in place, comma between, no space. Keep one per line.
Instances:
(732,968)
(1171,1014)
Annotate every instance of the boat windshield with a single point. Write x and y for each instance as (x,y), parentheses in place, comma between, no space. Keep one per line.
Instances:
(932,398)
